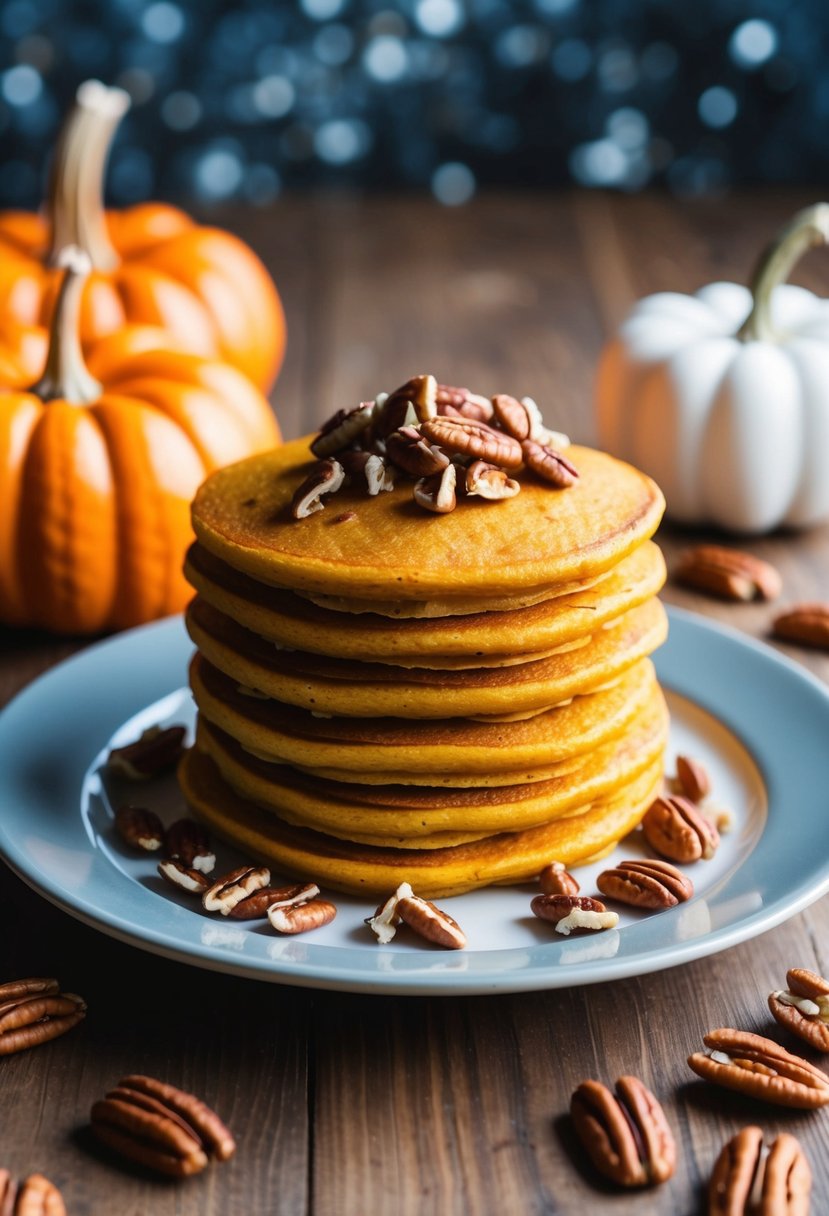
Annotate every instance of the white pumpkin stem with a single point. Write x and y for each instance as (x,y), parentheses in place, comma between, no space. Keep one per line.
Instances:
(75,203)
(66,375)
(806,230)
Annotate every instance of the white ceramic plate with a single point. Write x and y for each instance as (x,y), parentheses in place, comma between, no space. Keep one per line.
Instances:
(759,723)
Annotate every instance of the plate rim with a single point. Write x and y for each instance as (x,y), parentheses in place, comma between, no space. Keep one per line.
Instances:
(344,977)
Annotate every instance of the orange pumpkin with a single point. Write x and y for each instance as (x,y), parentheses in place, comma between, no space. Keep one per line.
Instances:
(151,263)
(96,480)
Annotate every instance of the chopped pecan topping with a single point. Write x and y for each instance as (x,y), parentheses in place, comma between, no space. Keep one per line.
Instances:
(626,1135)
(326,477)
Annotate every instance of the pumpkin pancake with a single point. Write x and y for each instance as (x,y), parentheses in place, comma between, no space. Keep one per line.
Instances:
(435,751)
(411,816)
(434,873)
(342,687)
(391,550)
(475,640)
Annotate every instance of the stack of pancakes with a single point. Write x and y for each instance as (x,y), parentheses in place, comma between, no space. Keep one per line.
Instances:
(450,700)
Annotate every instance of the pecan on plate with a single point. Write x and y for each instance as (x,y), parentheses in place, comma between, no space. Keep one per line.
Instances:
(161,1127)
(430,922)
(232,888)
(183,877)
(555,879)
(748,1177)
(35,1196)
(626,1135)
(257,905)
(187,841)
(139,828)
(803,1007)
(806,624)
(645,884)
(693,778)
(574,913)
(33,1011)
(760,1068)
(728,573)
(301,917)
(386,919)
(674,827)
(342,429)
(326,477)
(158,750)
(549,464)
(437,493)
(475,440)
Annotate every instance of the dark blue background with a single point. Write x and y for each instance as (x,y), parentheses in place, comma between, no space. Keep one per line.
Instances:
(243,100)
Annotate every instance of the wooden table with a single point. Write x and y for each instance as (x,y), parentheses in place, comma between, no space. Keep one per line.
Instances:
(349,1105)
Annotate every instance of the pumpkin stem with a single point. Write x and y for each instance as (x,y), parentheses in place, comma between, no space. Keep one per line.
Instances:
(66,376)
(805,231)
(75,203)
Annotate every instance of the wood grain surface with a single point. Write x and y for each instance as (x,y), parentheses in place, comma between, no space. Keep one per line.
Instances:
(365,1106)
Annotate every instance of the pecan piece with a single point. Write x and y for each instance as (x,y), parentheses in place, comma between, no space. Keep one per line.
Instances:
(460,403)
(36,1196)
(645,884)
(803,1007)
(232,888)
(385,920)
(554,879)
(421,391)
(626,1135)
(728,573)
(475,440)
(183,877)
(342,429)
(512,415)
(410,452)
(807,624)
(157,750)
(760,1068)
(164,1128)
(326,477)
(33,1012)
(748,1178)
(187,841)
(574,913)
(693,778)
(139,828)
(676,829)
(301,917)
(549,464)
(437,493)
(430,922)
(257,905)
(488,481)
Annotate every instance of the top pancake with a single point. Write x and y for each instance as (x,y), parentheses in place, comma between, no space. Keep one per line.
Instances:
(391,549)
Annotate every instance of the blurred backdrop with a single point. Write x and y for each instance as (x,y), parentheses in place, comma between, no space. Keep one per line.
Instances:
(243,100)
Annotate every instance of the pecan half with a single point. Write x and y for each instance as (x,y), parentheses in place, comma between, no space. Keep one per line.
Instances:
(488,481)
(807,624)
(422,392)
(385,920)
(461,403)
(549,464)
(183,877)
(475,440)
(412,454)
(693,778)
(728,573)
(676,829)
(157,750)
(35,1196)
(301,917)
(748,1178)
(803,1007)
(326,477)
(437,493)
(342,429)
(645,884)
(164,1128)
(232,888)
(761,1069)
(574,913)
(257,905)
(626,1135)
(512,415)
(430,922)
(554,879)
(33,1012)
(187,841)
(139,828)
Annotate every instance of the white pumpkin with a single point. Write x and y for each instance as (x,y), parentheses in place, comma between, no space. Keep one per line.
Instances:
(723,396)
